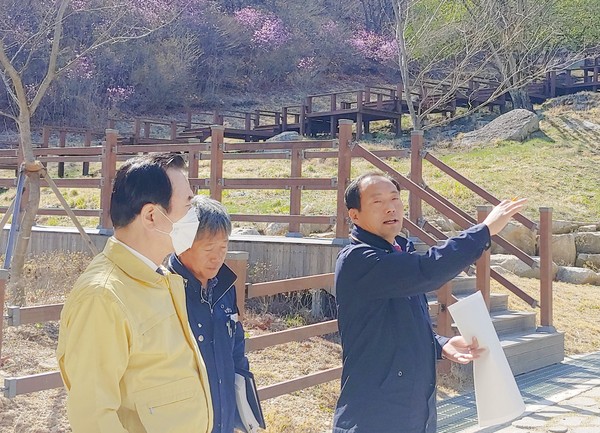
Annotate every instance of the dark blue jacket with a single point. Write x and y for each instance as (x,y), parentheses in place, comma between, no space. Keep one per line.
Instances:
(220,337)
(389,348)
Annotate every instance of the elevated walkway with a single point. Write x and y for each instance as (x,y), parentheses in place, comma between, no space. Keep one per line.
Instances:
(541,389)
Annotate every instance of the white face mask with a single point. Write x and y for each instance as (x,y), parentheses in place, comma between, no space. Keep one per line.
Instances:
(184,231)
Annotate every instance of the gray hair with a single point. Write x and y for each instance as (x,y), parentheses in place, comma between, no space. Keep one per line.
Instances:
(212,215)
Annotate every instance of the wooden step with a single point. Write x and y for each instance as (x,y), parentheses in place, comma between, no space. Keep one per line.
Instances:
(509,322)
(530,351)
(498,302)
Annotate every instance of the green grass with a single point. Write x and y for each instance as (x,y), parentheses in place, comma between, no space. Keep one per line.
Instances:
(558,168)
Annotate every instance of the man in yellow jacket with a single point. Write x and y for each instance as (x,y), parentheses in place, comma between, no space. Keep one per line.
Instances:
(126,353)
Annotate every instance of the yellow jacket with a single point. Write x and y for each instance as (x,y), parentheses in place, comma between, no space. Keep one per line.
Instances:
(126,353)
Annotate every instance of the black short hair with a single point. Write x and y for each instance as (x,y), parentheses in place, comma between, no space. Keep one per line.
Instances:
(352,194)
(142,180)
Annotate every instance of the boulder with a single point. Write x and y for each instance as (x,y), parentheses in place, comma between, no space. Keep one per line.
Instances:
(245,231)
(286,136)
(588,242)
(515,125)
(445,225)
(563,249)
(517,267)
(591,261)
(277,229)
(309,228)
(588,228)
(574,275)
(560,227)
(518,235)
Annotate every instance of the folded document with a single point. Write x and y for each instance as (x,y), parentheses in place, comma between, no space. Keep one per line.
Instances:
(248,405)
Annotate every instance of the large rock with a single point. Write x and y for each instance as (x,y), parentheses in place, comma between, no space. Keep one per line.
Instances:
(517,267)
(445,225)
(563,249)
(286,136)
(574,275)
(518,235)
(245,231)
(309,228)
(277,229)
(588,242)
(515,125)
(588,228)
(591,261)
(560,227)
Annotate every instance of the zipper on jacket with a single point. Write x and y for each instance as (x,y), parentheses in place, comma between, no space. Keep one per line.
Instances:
(211,307)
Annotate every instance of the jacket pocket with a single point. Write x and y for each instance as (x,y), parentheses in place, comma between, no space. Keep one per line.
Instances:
(173,407)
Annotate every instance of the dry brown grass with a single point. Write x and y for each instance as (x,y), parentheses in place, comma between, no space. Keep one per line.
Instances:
(30,349)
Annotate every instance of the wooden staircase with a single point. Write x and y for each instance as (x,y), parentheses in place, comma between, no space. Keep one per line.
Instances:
(526,346)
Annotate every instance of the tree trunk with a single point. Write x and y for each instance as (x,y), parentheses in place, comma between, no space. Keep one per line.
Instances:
(520,99)
(18,261)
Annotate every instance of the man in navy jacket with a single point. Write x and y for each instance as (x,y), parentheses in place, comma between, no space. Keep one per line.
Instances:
(389,348)
(212,308)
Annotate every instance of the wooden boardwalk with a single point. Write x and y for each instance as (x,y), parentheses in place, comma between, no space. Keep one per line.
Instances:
(319,114)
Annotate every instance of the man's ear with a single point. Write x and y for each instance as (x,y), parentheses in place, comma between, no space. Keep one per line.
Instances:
(148,216)
(353,214)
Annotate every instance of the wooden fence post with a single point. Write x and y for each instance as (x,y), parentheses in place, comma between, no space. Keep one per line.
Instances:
(444,320)
(109,170)
(87,142)
(62,142)
(359,115)
(173,130)
(546,267)
(193,158)
(302,119)
(342,227)
(238,262)
(137,131)
(482,266)
(3,280)
(216,162)
(415,210)
(295,191)
(189,118)
(284,119)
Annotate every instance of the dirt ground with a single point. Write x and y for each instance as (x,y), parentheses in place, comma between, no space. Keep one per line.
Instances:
(30,349)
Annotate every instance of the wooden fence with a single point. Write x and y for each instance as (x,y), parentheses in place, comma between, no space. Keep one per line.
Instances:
(344,150)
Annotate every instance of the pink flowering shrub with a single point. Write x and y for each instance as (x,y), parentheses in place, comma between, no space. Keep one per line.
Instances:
(83,68)
(118,94)
(268,31)
(374,46)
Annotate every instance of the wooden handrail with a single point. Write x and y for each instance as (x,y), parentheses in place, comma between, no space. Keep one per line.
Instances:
(259,342)
(319,281)
(475,188)
(281,388)
(439,206)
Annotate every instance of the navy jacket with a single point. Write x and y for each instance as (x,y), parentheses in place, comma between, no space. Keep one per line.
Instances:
(389,348)
(220,337)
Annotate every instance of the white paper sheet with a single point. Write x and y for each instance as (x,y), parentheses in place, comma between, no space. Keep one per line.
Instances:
(496,393)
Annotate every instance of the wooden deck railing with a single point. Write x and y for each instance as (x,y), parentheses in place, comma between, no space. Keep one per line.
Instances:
(344,150)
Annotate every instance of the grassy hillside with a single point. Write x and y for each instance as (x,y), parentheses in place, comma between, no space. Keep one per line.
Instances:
(558,167)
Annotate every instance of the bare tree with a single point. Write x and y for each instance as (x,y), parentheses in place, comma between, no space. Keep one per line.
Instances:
(526,44)
(39,41)
(449,51)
